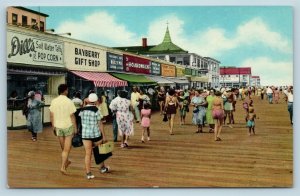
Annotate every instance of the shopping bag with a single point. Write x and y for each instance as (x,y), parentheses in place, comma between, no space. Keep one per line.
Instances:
(106,148)
(165,119)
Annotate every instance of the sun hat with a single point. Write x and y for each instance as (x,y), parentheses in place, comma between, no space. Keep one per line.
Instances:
(93,97)
(31,93)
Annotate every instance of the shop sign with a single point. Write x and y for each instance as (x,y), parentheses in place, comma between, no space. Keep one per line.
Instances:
(188,71)
(28,49)
(114,62)
(180,72)
(168,70)
(203,71)
(85,58)
(155,68)
(194,72)
(136,64)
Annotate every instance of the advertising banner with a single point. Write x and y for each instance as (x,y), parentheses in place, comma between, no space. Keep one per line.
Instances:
(114,62)
(84,57)
(136,64)
(194,72)
(180,72)
(188,71)
(168,70)
(155,68)
(29,49)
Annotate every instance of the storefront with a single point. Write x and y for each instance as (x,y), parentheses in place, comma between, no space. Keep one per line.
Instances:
(35,61)
(87,65)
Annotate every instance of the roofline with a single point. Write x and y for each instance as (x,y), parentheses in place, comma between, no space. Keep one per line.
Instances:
(32,11)
(206,57)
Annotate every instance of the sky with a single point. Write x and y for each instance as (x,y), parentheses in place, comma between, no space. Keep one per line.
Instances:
(260,37)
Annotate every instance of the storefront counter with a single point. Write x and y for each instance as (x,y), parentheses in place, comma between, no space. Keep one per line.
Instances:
(16,120)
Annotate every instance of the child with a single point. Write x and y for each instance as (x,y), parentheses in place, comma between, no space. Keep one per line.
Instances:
(246,106)
(250,120)
(146,115)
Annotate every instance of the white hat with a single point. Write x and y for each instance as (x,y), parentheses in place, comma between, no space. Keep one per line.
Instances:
(93,97)
(31,93)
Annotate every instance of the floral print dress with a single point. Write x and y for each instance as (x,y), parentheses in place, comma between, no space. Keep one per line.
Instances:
(124,116)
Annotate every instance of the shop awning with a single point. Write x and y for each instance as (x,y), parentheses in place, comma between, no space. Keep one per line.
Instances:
(100,79)
(139,80)
(199,79)
(179,80)
(160,80)
(31,71)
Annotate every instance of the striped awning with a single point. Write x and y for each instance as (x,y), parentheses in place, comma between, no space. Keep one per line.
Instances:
(100,79)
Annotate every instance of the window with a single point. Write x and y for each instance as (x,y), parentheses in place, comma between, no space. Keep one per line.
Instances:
(186,61)
(172,59)
(34,24)
(14,18)
(24,20)
(42,26)
(33,21)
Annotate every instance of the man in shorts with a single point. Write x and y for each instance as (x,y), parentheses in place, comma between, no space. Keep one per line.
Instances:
(63,122)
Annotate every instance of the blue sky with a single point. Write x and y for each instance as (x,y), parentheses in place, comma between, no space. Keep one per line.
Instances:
(257,36)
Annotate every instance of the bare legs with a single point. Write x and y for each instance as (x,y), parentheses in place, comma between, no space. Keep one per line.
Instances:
(65,144)
(171,123)
(148,133)
(124,139)
(161,104)
(218,129)
(88,145)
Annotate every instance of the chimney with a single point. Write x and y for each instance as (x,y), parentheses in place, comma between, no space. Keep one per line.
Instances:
(144,42)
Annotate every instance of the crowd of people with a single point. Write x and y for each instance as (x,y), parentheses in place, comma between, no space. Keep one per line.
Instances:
(212,107)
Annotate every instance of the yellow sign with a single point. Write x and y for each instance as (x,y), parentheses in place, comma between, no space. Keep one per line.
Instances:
(168,70)
(180,72)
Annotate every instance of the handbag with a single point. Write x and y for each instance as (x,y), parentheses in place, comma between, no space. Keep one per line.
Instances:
(106,148)
(77,141)
(165,119)
(196,110)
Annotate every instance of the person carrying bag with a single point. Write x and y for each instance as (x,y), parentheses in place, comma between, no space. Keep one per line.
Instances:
(93,135)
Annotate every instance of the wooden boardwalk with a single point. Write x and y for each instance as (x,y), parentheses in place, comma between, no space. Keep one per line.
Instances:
(185,159)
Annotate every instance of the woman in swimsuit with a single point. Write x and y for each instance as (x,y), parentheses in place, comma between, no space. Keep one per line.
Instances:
(218,114)
(170,108)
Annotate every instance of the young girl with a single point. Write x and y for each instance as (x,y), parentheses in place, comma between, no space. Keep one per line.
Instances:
(250,120)
(246,106)
(146,115)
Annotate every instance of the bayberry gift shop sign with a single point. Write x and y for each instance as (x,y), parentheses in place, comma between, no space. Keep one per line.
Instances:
(29,49)
(85,57)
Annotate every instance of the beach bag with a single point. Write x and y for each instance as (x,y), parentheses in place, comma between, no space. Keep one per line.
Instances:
(196,110)
(77,141)
(106,148)
(165,119)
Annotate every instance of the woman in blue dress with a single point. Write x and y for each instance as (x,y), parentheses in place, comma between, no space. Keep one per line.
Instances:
(199,111)
(34,118)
